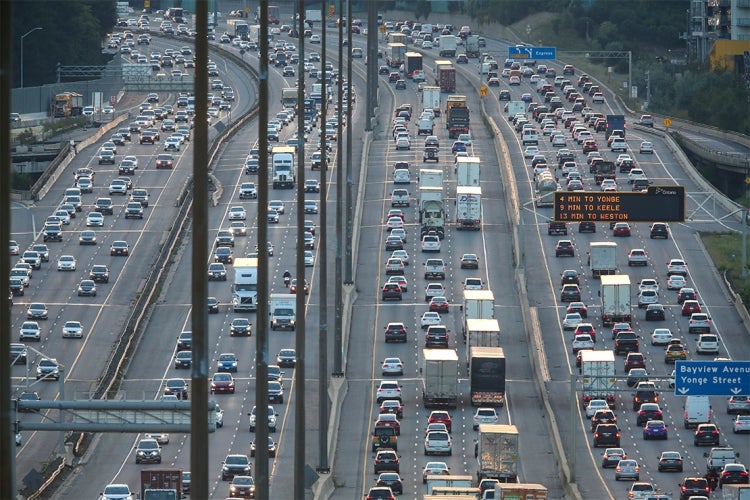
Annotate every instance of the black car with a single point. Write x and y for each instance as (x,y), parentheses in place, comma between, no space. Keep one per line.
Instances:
(659,230)
(16,287)
(183,359)
(18,353)
(655,312)
(625,342)
(670,461)
(119,248)
(570,276)
(223,255)
(185,341)
(383,70)
(104,206)
(286,358)
(570,293)
(606,435)
(694,486)
(99,273)
(603,417)
(213,305)
(436,336)
(235,465)
(644,395)
(391,291)
(686,294)
(587,227)
(564,248)
(648,412)
(392,480)
(28,396)
(504,95)
(400,84)
(395,332)
(177,387)
(386,460)
(731,474)
(706,435)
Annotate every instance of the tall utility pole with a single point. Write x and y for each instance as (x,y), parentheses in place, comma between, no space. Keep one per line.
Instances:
(7,415)
(199,285)
(348,271)
(261,302)
(340,236)
(323,251)
(372,62)
(299,333)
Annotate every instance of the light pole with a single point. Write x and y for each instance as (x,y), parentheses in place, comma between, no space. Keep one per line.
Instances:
(22,37)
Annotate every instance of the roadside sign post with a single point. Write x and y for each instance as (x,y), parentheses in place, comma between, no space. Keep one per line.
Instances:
(712,378)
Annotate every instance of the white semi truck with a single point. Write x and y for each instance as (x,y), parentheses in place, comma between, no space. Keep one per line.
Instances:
(245,286)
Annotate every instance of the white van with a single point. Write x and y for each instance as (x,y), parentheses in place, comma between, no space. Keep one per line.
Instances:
(697,411)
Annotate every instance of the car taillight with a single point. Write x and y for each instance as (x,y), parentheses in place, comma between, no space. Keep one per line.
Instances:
(641,412)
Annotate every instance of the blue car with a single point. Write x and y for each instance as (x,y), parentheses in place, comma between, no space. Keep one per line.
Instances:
(227,362)
(458,146)
(655,429)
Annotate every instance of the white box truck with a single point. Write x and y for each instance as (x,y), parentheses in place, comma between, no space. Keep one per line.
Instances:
(467,171)
(430,178)
(598,370)
(448,45)
(602,258)
(245,286)
(469,208)
(496,452)
(283,311)
(477,304)
(481,333)
(615,296)
(440,378)
(431,210)
(431,99)
(449,481)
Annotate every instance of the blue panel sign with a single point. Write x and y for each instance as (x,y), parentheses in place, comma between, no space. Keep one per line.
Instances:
(712,378)
(524,52)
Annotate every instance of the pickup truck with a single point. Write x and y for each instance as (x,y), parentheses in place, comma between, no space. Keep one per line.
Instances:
(557,228)
(400,198)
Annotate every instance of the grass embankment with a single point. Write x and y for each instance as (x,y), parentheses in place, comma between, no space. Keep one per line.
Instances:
(725,250)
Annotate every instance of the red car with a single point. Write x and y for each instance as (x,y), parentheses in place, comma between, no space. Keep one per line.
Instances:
(392,406)
(634,360)
(690,306)
(589,146)
(585,328)
(578,307)
(222,382)
(439,304)
(389,420)
(621,229)
(440,417)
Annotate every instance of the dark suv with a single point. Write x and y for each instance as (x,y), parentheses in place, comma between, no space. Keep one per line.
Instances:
(606,435)
(706,435)
(626,342)
(436,336)
(395,332)
(386,460)
(384,437)
(185,341)
(659,230)
(694,486)
(645,392)
(564,248)
(99,273)
(557,228)
(391,291)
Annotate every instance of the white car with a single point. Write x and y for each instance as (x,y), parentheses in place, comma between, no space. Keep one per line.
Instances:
(609,185)
(118,187)
(403,143)
(530,151)
(471,283)
(648,284)
(596,405)
(646,148)
(401,254)
(430,243)
(638,257)
(63,216)
(430,318)
(401,176)
(558,140)
(434,468)
(676,281)
(394,223)
(571,321)
(394,266)
(95,219)
(438,443)
(647,297)
(237,213)
(741,423)
(485,416)
(708,343)
(388,390)
(661,336)
(309,258)
(465,138)
(277,205)
(392,366)
(72,329)
(172,144)
(582,341)
(433,290)
(117,492)
(636,174)
(238,228)
(677,266)
(66,263)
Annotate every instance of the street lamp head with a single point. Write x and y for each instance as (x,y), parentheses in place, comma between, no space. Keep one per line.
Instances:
(31,31)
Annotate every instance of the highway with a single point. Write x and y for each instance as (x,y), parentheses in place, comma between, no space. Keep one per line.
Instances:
(112,459)
(103,315)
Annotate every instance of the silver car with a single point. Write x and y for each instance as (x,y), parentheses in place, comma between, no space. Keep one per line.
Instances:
(627,469)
